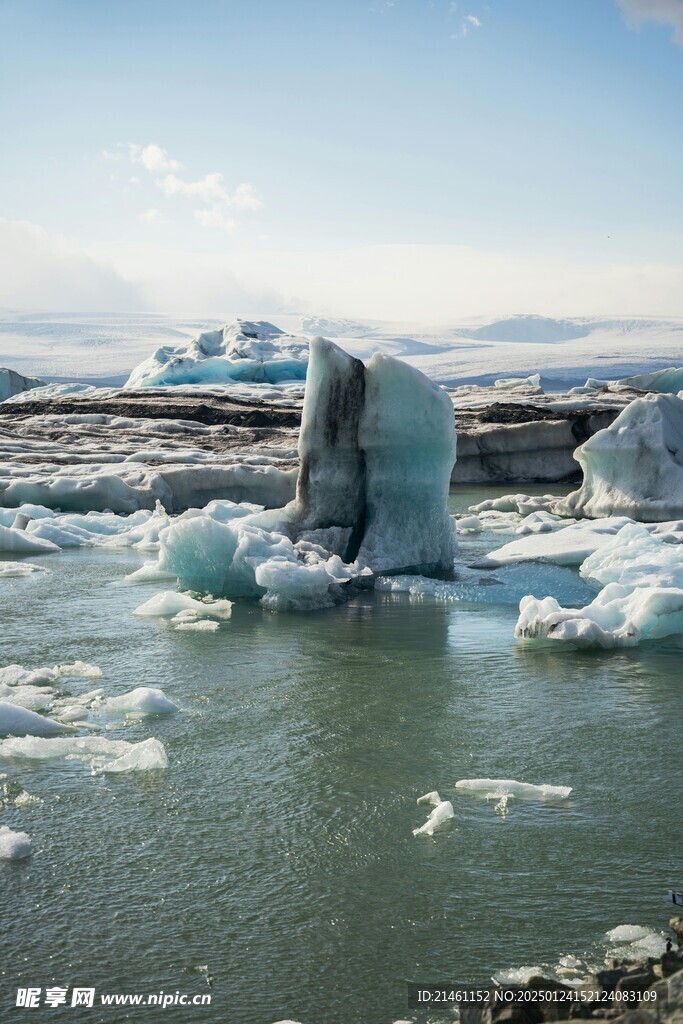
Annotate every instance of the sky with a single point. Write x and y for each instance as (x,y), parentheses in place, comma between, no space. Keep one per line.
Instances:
(418,160)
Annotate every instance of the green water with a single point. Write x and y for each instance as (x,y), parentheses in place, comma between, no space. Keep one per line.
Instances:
(277,848)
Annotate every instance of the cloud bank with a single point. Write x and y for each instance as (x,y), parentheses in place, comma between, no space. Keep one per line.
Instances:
(666,12)
(419,283)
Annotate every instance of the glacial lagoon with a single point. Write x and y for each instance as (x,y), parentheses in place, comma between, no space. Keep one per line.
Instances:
(276,855)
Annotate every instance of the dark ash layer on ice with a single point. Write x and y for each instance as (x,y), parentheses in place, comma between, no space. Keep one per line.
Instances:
(124,449)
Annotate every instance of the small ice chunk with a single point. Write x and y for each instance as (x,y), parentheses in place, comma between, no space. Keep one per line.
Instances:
(146,700)
(495,788)
(25,799)
(78,668)
(13,845)
(18,721)
(628,933)
(103,753)
(200,625)
(149,755)
(432,798)
(170,603)
(149,573)
(468,524)
(14,569)
(442,812)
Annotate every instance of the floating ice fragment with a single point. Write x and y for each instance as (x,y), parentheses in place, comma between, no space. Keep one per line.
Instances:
(442,812)
(468,524)
(146,700)
(20,543)
(103,753)
(25,799)
(494,788)
(628,933)
(13,845)
(9,570)
(432,798)
(146,756)
(170,603)
(196,625)
(78,668)
(18,721)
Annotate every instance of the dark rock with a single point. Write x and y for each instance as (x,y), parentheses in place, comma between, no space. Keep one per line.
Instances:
(676,926)
(553,1008)
(672,962)
(636,981)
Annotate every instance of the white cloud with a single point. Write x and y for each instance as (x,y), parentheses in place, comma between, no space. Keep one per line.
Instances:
(216,217)
(43,271)
(153,158)
(666,12)
(469,22)
(211,192)
(152,216)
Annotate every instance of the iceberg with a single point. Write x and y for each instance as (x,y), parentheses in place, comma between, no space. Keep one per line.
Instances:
(241,351)
(634,467)
(13,383)
(377,448)
(13,845)
(642,596)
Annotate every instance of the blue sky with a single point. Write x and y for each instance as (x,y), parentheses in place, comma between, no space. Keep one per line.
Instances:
(513,145)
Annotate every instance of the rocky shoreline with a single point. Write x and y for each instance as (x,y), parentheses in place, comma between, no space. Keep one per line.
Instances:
(643,991)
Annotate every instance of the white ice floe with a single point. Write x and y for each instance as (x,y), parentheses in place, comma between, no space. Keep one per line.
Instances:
(194,625)
(147,700)
(569,546)
(240,351)
(19,721)
(442,812)
(432,798)
(633,942)
(496,788)
(506,585)
(641,599)
(522,503)
(9,570)
(468,524)
(171,604)
(511,383)
(635,466)
(19,542)
(104,755)
(13,845)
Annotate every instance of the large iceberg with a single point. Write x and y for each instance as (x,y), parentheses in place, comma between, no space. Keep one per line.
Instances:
(377,448)
(13,383)
(241,351)
(635,466)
